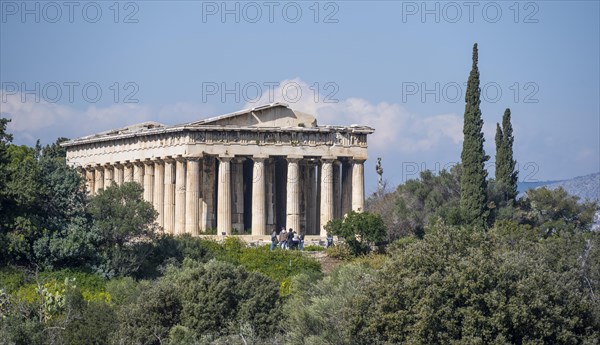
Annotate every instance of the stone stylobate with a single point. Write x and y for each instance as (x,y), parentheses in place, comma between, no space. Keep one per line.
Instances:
(247,172)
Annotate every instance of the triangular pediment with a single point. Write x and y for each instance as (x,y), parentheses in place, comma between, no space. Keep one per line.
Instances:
(272,115)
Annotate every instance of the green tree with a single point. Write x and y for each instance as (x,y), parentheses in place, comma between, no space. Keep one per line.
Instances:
(5,139)
(148,319)
(124,223)
(218,297)
(506,174)
(464,287)
(553,210)
(360,230)
(325,311)
(473,186)
(420,202)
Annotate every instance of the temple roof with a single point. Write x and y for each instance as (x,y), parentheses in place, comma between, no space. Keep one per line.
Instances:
(270,117)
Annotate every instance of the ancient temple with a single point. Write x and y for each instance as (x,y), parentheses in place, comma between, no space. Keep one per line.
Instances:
(247,172)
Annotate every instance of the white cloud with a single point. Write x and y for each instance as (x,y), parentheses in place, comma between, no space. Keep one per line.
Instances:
(32,120)
(395,128)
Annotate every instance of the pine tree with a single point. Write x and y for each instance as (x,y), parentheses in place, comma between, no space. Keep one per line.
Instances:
(473,185)
(506,175)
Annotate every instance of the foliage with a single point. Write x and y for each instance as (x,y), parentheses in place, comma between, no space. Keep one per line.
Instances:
(217,296)
(314,248)
(359,230)
(421,202)
(148,319)
(44,220)
(124,222)
(473,189)
(506,174)
(5,139)
(554,210)
(278,264)
(458,286)
(340,251)
(325,311)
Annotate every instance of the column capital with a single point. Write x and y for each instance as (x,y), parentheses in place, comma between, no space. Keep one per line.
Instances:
(327,159)
(168,159)
(225,158)
(89,168)
(138,162)
(358,160)
(193,158)
(181,158)
(259,158)
(293,157)
(107,166)
(118,164)
(99,166)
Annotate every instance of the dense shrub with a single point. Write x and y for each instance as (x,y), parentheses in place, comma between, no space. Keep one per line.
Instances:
(461,286)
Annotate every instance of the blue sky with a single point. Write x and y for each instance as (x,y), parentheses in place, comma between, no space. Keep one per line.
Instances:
(398,66)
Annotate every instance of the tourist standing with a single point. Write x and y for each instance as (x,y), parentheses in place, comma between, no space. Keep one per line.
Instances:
(290,238)
(302,242)
(282,238)
(273,239)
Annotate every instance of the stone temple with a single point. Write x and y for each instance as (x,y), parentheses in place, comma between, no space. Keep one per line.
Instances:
(247,172)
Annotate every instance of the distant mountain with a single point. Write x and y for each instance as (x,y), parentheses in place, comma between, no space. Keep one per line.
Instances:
(586,187)
(522,187)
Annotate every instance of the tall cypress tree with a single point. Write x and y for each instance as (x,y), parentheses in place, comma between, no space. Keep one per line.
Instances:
(473,185)
(506,174)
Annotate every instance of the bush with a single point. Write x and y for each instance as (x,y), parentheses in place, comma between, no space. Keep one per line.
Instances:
(11,278)
(340,251)
(217,297)
(460,286)
(325,311)
(314,248)
(360,230)
(278,264)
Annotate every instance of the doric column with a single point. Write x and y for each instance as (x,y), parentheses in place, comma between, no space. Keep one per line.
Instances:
(148,180)
(119,174)
(159,191)
(292,219)
(192,196)
(346,187)
(224,197)
(99,176)
(128,172)
(269,171)
(138,173)
(237,192)
(180,166)
(208,186)
(259,216)
(108,175)
(310,195)
(337,195)
(89,180)
(169,203)
(358,186)
(326,194)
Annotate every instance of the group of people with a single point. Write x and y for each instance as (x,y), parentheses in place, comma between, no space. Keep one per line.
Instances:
(287,239)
